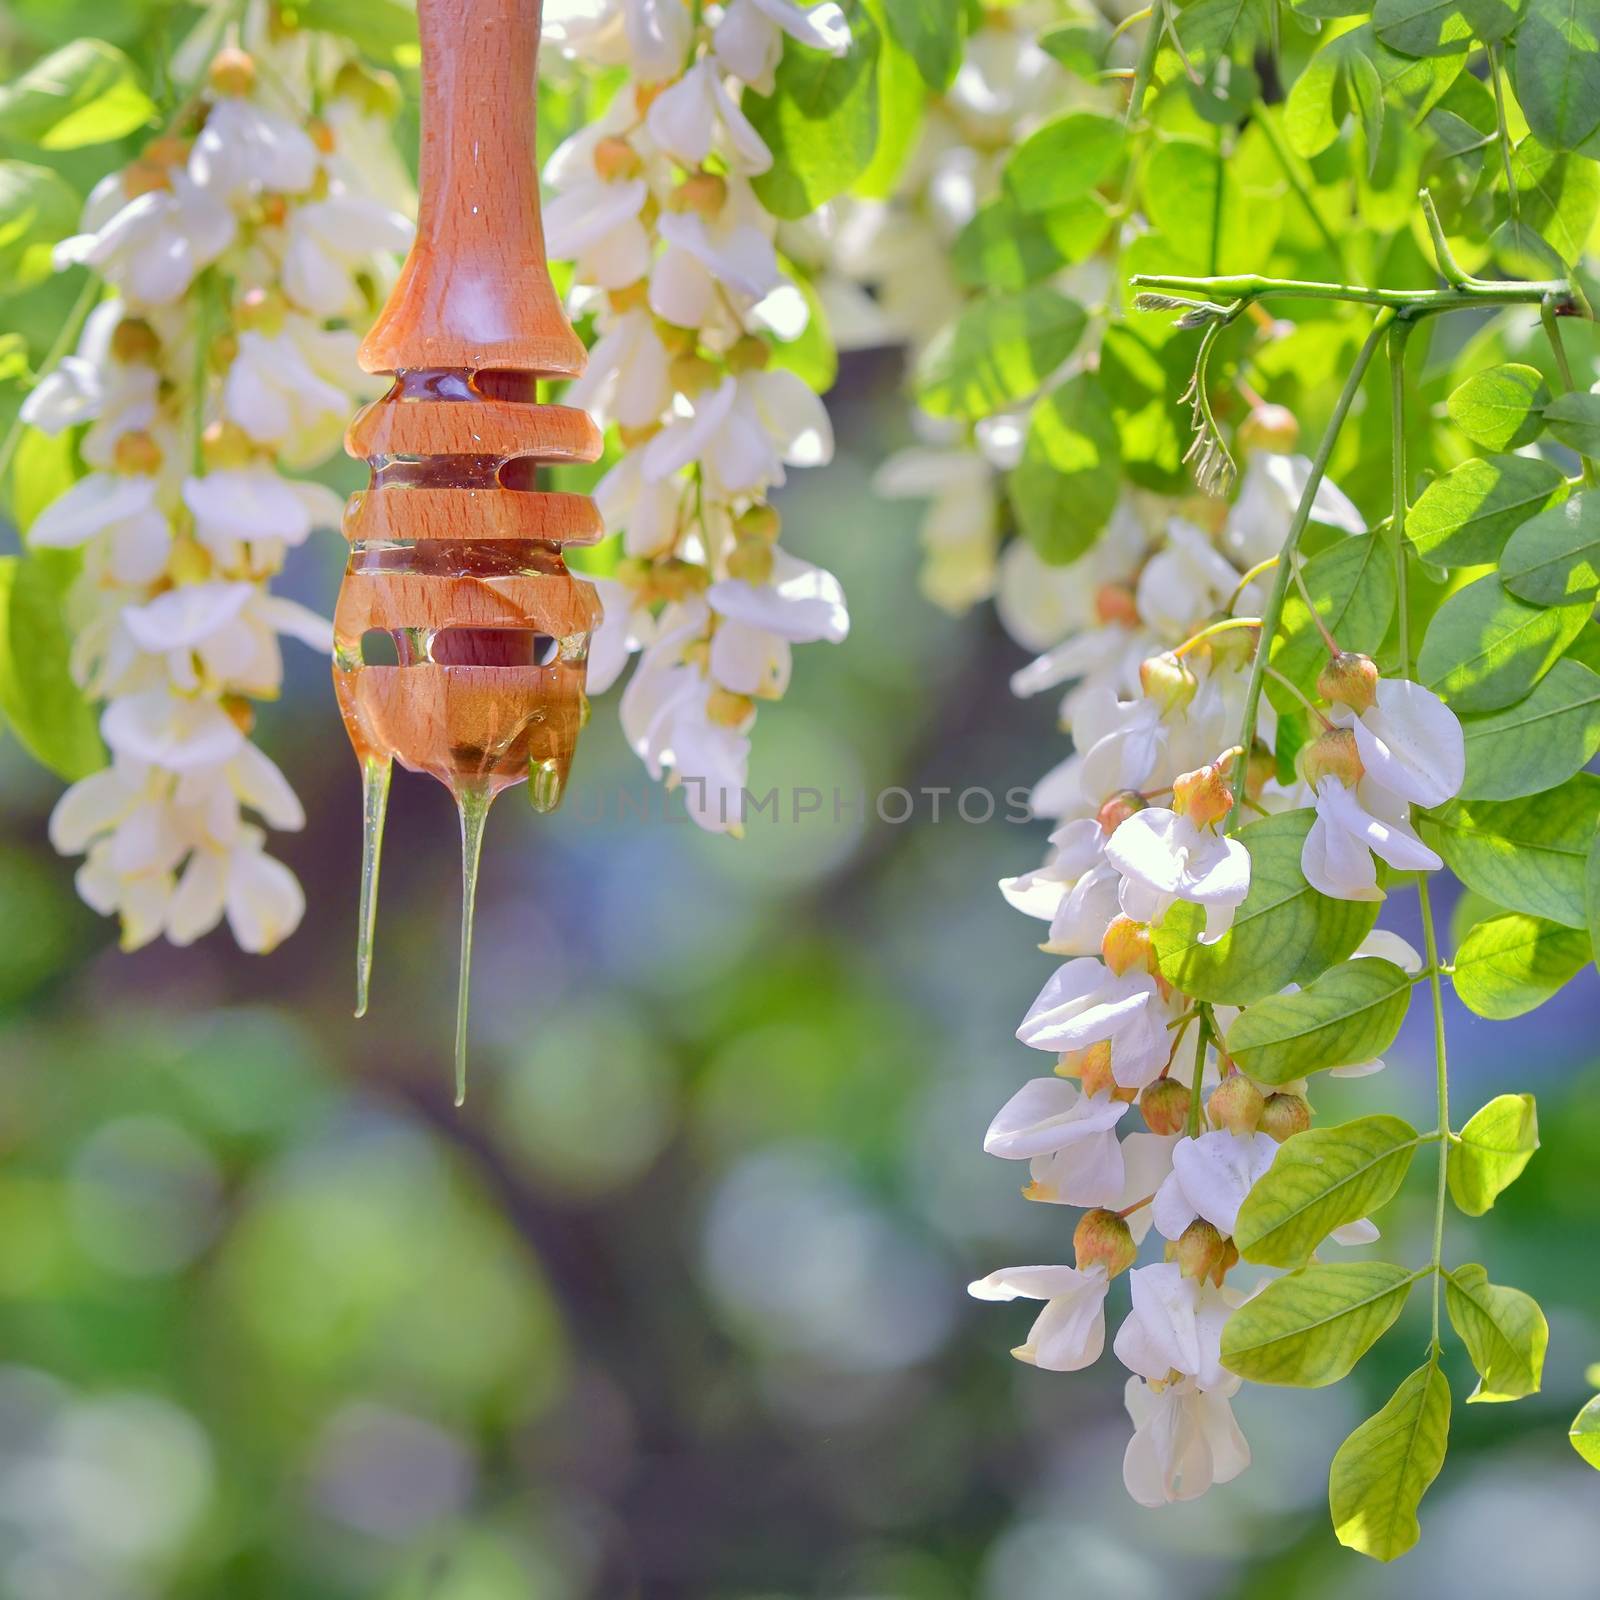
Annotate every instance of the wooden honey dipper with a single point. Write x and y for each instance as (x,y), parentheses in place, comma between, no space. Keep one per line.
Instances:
(455,552)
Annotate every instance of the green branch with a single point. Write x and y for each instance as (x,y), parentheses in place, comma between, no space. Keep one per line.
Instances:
(1245,287)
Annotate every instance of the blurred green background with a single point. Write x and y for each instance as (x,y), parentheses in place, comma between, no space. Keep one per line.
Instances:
(674,1307)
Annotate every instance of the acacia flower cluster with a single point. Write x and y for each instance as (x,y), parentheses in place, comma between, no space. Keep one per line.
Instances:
(238,249)
(674,256)
(1155,635)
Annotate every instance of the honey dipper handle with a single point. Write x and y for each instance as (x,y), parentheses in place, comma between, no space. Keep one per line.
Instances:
(475,291)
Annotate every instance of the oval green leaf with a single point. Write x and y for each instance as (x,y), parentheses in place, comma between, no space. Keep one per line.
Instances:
(1310,1328)
(1501,407)
(1558,71)
(1537,743)
(1320,1180)
(1575,420)
(1490,1152)
(1465,517)
(1507,966)
(1504,1331)
(1349,1014)
(1067,483)
(1384,1468)
(85,93)
(1065,160)
(999,350)
(1352,585)
(1585,1433)
(1485,648)
(1554,558)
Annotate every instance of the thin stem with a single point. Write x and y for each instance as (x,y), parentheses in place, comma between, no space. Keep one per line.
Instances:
(1138,1205)
(1558,348)
(473,805)
(64,340)
(1193,1127)
(1430,945)
(1129,21)
(1449,268)
(1300,695)
(1249,578)
(1398,335)
(1269,130)
(1249,286)
(1145,67)
(1213,628)
(1273,615)
(1328,640)
(1502,132)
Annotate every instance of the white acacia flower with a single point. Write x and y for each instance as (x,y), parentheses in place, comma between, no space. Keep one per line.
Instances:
(626,626)
(1164,857)
(1068,1138)
(1210,1177)
(329,243)
(960,526)
(749,39)
(596,225)
(1185,580)
(732,250)
(79,389)
(1085,1002)
(275,392)
(1184,1440)
(1076,847)
(1146,1163)
(154,245)
(1352,826)
(119,509)
(1269,492)
(1175,1326)
(163,729)
(647,510)
(1411,743)
(697,115)
(649,36)
(250,515)
(1069,1334)
(246,149)
(799,604)
(627,379)
(262,898)
(744,432)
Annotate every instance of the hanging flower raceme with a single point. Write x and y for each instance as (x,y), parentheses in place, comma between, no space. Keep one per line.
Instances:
(235,251)
(674,256)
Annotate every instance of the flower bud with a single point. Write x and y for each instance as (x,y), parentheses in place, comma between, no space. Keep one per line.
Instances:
(1126,944)
(1203,796)
(1118,809)
(1103,1239)
(1230,1259)
(1268,428)
(1235,1104)
(232,72)
(1165,1105)
(1167,681)
(1115,603)
(750,560)
(1094,1068)
(144,177)
(1349,679)
(759,521)
(615,158)
(136,452)
(1285,1115)
(1332,754)
(704,193)
(729,710)
(167,151)
(677,579)
(750,353)
(676,341)
(1200,1249)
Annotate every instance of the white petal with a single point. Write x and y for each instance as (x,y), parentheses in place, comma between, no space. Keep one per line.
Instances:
(1411,743)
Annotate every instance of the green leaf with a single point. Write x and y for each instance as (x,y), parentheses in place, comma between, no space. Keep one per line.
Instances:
(1065,160)
(931,32)
(1310,1328)
(1591,896)
(902,98)
(1226,231)
(44,706)
(37,208)
(1554,558)
(383,28)
(1005,247)
(1485,648)
(85,93)
(1319,1181)
(1558,195)
(1527,855)
(1500,408)
(1348,1015)
(1382,1471)
(1465,517)
(1575,420)
(1353,586)
(1491,1150)
(1504,1331)
(1491,20)
(1558,71)
(1508,965)
(1000,349)
(811,354)
(1421,27)
(1066,484)
(1537,743)
(1143,370)
(1585,1433)
(1283,932)
(820,122)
